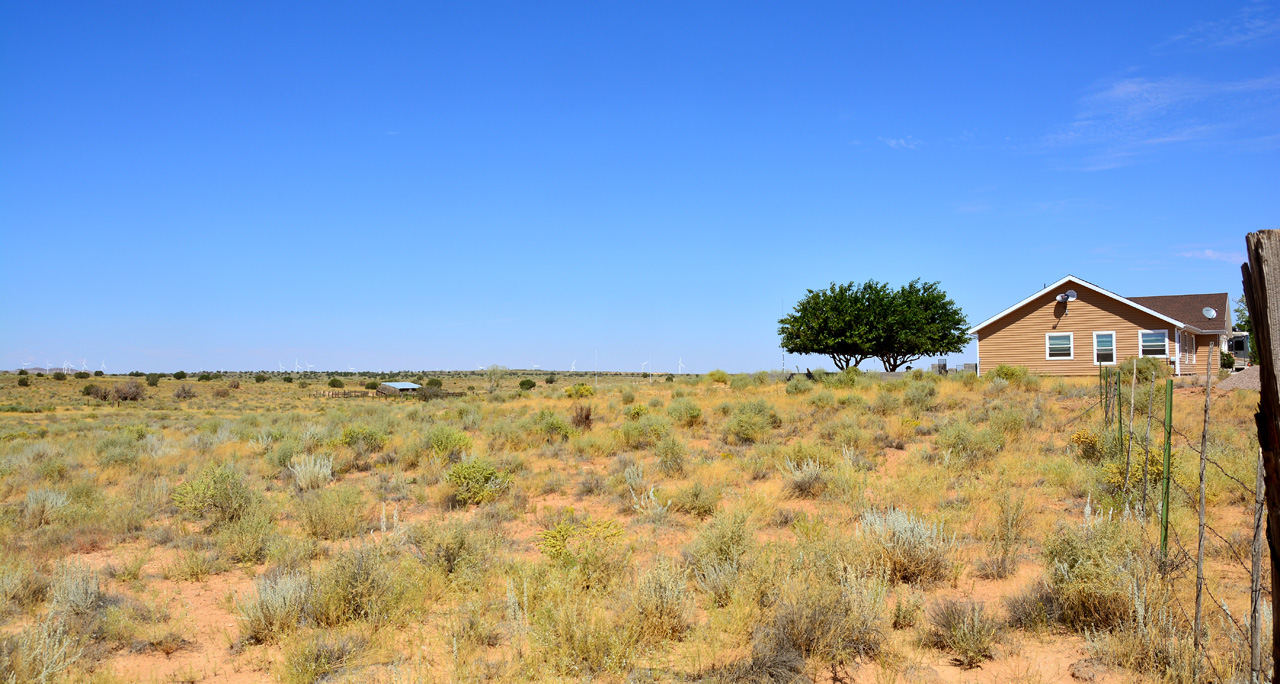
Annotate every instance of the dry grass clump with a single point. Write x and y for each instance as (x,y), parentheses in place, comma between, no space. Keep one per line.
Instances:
(906,548)
(964,628)
(220,494)
(280,603)
(312,472)
(962,442)
(807,480)
(697,500)
(718,554)
(358,584)
(1092,567)
(335,513)
(663,604)
(1006,539)
(320,655)
(671,454)
(42,505)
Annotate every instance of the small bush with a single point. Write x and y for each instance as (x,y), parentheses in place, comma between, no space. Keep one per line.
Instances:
(749,422)
(445,442)
(476,481)
(221,392)
(153,379)
(550,379)
(671,453)
(260,378)
(960,441)
(806,480)
(906,548)
(280,603)
(130,390)
(636,412)
(336,383)
(965,629)
(799,385)
(589,548)
(628,397)
(1006,538)
(24,381)
(312,472)
(663,605)
(435,383)
(357,585)
(365,439)
(204,377)
(59,375)
(42,505)
(580,417)
(685,412)
(579,390)
(526,384)
(334,513)
(645,432)
(1090,568)
(184,391)
(320,656)
(82,375)
(287,378)
(718,376)
(1014,375)
(219,494)
(697,500)
(834,623)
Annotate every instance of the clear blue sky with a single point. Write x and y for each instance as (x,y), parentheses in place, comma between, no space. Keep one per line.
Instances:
(385,185)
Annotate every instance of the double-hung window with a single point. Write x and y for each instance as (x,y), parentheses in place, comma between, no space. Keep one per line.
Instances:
(1104,348)
(1154,342)
(1059,346)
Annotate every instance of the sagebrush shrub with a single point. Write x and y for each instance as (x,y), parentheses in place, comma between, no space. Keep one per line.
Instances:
(476,481)
(280,602)
(906,548)
(964,628)
(671,453)
(1091,566)
(663,605)
(312,472)
(219,494)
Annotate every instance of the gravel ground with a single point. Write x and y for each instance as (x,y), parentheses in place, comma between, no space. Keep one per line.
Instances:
(1249,378)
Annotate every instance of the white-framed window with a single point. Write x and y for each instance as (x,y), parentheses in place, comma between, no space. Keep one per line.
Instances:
(1153,343)
(1059,346)
(1104,348)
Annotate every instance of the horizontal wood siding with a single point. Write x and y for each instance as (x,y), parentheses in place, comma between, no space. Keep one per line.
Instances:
(1018,339)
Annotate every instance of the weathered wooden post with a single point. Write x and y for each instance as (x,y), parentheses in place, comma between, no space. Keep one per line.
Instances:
(1255,581)
(1204,457)
(1262,296)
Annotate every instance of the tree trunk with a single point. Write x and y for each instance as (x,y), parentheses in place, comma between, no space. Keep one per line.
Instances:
(1262,296)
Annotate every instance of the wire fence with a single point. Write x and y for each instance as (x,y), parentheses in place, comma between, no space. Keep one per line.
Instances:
(1181,560)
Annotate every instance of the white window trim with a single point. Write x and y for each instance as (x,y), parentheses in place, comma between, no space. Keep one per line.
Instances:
(1165,355)
(1071,336)
(1115,354)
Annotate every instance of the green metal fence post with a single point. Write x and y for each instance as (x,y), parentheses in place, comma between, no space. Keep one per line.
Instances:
(1168,436)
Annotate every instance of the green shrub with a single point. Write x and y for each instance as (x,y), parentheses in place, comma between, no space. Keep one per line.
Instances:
(260,378)
(357,585)
(287,378)
(750,422)
(628,397)
(906,548)
(671,453)
(82,375)
(718,376)
(204,377)
(526,384)
(643,433)
(334,513)
(697,500)
(476,481)
(807,480)
(363,438)
(551,379)
(1090,567)
(965,629)
(446,442)
(436,383)
(636,411)
(219,494)
(579,390)
(319,657)
(24,381)
(590,549)
(153,379)
(921,396)
(685,412)
(838,624)
(371,385)
(663,605)
(180,375)
(336,383)
(1014,375)
(961,441)
(799,385)
(1149,368)
(281,601)
(59,375)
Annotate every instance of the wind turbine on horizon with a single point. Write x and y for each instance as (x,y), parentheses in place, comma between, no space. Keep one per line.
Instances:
(104,367)
(680,366)
(573,367)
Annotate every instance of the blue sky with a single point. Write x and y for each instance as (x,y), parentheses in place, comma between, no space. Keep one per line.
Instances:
(386,185)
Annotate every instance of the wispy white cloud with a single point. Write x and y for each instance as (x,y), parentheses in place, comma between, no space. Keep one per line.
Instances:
(907,143)
(1123,120)
(1213,255)
(1252,24)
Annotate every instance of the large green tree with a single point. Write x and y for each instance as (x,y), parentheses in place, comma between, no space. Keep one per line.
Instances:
(855,322)
(834,322)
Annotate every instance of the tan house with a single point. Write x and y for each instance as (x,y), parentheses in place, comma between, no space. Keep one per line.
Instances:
(1073,326)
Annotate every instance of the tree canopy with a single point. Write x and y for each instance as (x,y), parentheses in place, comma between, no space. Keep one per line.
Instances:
(854,322)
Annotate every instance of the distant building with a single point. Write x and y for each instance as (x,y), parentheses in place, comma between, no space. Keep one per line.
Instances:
(1073,326)
(398,388)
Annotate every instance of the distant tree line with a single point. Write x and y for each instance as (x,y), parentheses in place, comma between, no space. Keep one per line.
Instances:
(854,322)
